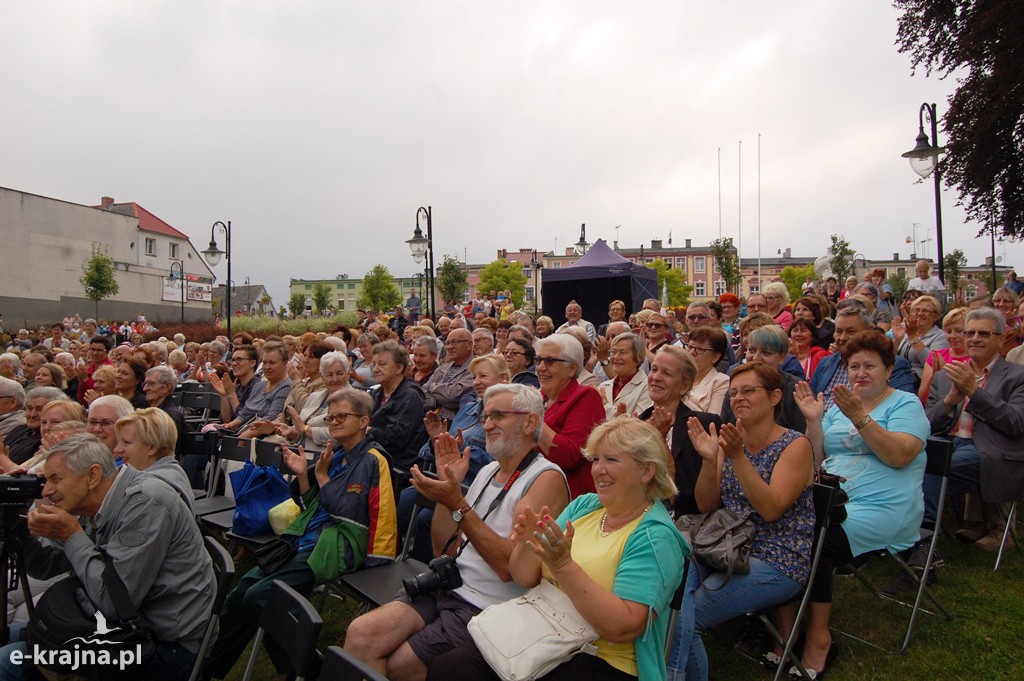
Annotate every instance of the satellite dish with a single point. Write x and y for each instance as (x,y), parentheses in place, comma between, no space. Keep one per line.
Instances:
(999,258)
(909,239)
(821,266)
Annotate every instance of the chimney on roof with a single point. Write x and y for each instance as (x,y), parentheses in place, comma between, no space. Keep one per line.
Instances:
(655,244)
(106,202)
(688,242)
(896,256)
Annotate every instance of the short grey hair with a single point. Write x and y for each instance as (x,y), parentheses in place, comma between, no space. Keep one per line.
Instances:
(567,347)
(163,374)
(121,406)
(771,338)
(334,357)
(359,400)
(217,348)
(855,310)
(9,388)
(49,393)
(636,344)
(990,314)
(82,451)
(13,359)
(867,286)
(429,342)
(524,398)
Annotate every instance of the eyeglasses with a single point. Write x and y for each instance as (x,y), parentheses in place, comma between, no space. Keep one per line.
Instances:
(695,349)
(499,415)
(655,325)
(984,335)
(104,423)
(511,353)
(548,361)
(697,317)
(745,392)
(240,359)
(339,417)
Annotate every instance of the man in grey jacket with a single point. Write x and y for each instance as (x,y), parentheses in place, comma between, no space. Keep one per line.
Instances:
(145,530)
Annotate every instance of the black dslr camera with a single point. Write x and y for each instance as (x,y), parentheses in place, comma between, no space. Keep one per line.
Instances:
(443,574)
(19,491)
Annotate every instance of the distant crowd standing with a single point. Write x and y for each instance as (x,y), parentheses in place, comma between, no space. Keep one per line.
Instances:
(559,454)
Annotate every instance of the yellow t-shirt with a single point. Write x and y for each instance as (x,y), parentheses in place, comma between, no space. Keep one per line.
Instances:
(599,557)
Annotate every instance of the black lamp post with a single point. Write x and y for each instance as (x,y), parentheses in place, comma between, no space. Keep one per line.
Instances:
(213,255)
(423,249)
(537,265)
(181,281)
(924,159)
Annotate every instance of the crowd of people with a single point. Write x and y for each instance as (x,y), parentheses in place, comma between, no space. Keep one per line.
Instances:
(557,453)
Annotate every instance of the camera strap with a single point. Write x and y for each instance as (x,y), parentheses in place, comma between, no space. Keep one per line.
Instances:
(523,465)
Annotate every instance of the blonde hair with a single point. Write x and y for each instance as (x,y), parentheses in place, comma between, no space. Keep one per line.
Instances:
(73,410)
(497,363)
(154,427)
(643,443)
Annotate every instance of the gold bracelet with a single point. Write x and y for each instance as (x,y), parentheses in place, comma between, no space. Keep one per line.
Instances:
(863,422)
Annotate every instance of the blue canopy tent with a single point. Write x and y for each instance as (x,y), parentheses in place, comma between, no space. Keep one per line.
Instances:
(594,281)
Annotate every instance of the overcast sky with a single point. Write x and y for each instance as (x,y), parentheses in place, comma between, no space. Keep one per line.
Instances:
(318,128)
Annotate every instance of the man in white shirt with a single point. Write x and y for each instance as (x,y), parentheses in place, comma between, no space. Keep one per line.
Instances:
(574,317)
(925,282)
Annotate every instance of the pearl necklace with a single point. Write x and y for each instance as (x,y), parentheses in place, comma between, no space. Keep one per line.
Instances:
(604,519)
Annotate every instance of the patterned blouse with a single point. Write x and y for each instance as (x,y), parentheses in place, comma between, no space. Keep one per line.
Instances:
(786,543)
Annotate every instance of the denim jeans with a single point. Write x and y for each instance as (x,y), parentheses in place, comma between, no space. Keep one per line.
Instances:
(703,608)
(964,476)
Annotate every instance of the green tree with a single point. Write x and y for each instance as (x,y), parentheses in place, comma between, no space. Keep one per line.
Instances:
(727,263)
(321,297)
(678,290)
(297,303)
(500,275)
(450,279)
(794,277)
(98,278)
(841,262)
(986,278)
(282,312)
(899,283)
(978,43)
(953,264)
(379,290)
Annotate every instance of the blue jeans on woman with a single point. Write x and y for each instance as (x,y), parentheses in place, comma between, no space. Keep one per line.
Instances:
(703,608)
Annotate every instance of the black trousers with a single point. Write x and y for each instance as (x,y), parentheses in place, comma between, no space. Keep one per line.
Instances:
(466,663)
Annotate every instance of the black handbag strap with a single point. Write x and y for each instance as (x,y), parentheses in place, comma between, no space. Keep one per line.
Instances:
(119,596)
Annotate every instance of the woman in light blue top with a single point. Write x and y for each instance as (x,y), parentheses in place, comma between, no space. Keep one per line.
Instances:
(873,438)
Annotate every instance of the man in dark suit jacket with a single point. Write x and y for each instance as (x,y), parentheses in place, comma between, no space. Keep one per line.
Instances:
(831,372)
(980,404)
(687,460)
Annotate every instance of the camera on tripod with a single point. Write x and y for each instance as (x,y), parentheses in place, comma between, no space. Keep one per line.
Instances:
(19,491)
(443,574)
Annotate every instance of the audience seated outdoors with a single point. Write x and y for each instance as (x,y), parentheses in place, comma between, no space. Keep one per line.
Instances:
(309,426)
(402,638)
(520,356)
(770,345)
(873,438)
(625,392)
(266,400)
(762,470)
(347,522)
(52,414)
(918,335)
(104,413)
(146,440)
(615,554)
(570,411)
(23,441)
(398,411)
(953,327)
(707,346)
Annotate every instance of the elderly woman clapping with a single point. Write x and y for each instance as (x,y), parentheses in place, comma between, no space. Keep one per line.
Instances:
(626,392)
(615,554)
(570,410)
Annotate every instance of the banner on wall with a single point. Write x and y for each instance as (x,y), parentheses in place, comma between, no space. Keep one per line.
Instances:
(198,289)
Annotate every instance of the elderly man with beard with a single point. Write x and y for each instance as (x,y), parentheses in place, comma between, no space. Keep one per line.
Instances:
(400,639)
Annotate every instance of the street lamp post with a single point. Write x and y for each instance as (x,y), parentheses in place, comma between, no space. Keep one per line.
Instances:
(181,281)
(213,255)
(924,159)
(423,249)
(536,265)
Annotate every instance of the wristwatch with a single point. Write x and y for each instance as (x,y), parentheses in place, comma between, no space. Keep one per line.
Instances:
(460,513)
(603,362)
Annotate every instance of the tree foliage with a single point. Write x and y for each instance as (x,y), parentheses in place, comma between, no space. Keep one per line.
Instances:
(451,279)
(953,264)
(979,43)
(794,277)
(899,283)
(297,303)
(678,290)
(98,278)
(321,297)
(841,262)
(379,290)
(502,274)
(986,278)
(726,262)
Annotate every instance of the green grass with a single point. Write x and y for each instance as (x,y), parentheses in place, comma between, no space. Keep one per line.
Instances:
(982,642)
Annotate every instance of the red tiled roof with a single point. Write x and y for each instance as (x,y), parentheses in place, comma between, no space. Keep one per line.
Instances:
(147,221)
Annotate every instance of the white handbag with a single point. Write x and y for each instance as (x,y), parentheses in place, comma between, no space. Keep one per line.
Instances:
(525,638)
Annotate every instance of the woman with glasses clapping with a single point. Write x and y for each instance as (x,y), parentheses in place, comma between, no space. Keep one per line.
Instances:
(707,345)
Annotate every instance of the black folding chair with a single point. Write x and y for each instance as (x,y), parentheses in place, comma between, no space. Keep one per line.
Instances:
(224,572)
(1009,530)
(294,625)
(231,449)
(202,445)
(340,665)
(267,454)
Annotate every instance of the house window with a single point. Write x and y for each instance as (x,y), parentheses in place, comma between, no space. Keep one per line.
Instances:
(972,291)
(558,265)
(719,287)
(309,287)
(172,252)
(755,288)
(340,286)
(341,304)
(902,271)
(150,246)
(700,289)
(698,264)
(681,263)
(351,286)
(529,293)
